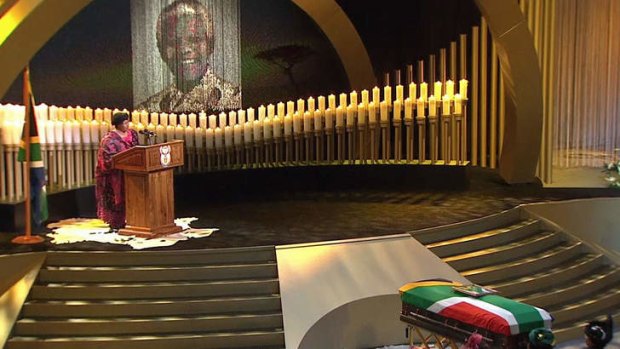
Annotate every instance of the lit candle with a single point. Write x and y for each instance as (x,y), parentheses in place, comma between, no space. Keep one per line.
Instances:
(297,119)
(219,142)
(387,92)
(107,115)
(53,113)
(258,130)
(228,136)
(311,106)
(222,120)
(261,113)
(182,120)
(432,106)
(70,113)
(301,107)
(189,136)
(241,116)
(238,133)
(209,138)
(321,102)
(163,119)
(250,115)
(318,121)
(62,114)
(247,132)
(85,126)
(445,110)
(103,129)
(49,133)
(424,91)
(365,98)
(144,117)
(98,114)
(199,136)
(267,129)
(331,102)
(160,130)
(67,132)
(463,88)
(277,126)
(202,120)
(340,111)
(169,133)
(397,109)
(212,122)
(353,99)
(172,119)
(372,113)
(179,132)
(79,113)
(94,131)
(290,108)
(383,110)
(437,92)
(351,115)
(450,88)
(192,120)
(271,111)
(376,95)
(408,109)
(343,100)
(458,104)
(88,114)
(329,119)
(420,106)
(308,121)
(281,111)
(232,118)
(361,112)
(135,116)
(155,119)
(288,125)
(400,93)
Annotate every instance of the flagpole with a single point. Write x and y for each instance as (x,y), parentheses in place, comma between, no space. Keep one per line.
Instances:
(27,238)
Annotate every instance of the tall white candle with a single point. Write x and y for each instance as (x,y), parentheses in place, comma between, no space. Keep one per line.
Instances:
(397,110)
(107,115)
(212,122)
(267,128)
(209,138)
(94,131)
(450,88)
(408,109)
(160,130)
(62,114)
(261,113)
(424,91)
(321,103)
(432,106)
(351,114)
(458,104)
(290,108)
(258,130)
(228,136)
(308,121)
(135,116)
(420,107)
(202,120)
(271,110)
(365,98)
(189,136)
(182,120)
(199,137)
(222,120)
(155,119)
(343,100)
(79,113)
(70,113)
(311,105)
(241,117)
(85,126)
(376,96)
(383,110)
(88,114)
(53,113)
(49,133)
(192,120)
(277,126)
(232,118)
(179,132)
(169,133)
(247,132)
(288,125)
(361,113)
(318,120)
(301,108)
(445,109)
(437,91)
(163,119)
(372,113)
(281,110)
(219,141)
(387,94)
(172,119)
(98,114)
(463,88)
(250,115)
(353,98)
(144,117)
(340,112)
(331,102)
(329,119)
(238,133)
(297,122)
(400,93)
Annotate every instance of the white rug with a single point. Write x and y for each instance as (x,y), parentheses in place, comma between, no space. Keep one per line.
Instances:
(69,231)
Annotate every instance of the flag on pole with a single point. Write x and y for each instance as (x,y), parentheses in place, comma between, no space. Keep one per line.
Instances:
(37,169)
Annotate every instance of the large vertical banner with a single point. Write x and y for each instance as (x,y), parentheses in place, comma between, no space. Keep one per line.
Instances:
(186,55)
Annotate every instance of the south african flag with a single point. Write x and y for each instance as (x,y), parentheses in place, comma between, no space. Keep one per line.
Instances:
(492,312)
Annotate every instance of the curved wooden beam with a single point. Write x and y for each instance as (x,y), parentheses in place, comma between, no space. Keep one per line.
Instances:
(25,28)
(337,26)
(523,89)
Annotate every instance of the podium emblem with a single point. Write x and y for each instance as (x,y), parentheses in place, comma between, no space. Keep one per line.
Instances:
(164,152)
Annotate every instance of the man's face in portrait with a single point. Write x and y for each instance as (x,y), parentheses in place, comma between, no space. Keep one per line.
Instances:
(185,42)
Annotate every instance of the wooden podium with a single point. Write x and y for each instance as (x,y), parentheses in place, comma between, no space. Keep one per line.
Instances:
(149,188)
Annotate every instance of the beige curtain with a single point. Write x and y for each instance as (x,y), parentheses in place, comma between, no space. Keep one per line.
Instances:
(586,124)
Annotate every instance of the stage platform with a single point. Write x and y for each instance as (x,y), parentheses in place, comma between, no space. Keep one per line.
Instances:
(269,207)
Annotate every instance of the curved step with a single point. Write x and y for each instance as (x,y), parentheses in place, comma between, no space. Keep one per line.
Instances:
(154,290)
(575,330)
(146,326)
(502,254)
(485,239)
(577,289)
(571,269)
(157,258)
(157,273)
(568,314)
(179,341)
(159,307)
(527,266)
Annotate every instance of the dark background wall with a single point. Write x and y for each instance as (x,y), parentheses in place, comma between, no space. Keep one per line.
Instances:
(88,62)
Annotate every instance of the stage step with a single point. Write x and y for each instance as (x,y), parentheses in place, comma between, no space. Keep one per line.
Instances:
(207,299)
(575,330)
(525,261)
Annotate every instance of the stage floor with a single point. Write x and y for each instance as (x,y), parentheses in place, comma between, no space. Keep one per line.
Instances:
(309,216)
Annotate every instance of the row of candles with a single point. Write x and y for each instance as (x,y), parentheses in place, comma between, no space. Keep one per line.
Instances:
(85,125)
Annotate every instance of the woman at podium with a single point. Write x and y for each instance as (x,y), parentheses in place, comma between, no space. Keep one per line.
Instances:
(110,189)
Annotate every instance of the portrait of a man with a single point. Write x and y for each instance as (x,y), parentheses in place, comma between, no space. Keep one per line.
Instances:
(185,41)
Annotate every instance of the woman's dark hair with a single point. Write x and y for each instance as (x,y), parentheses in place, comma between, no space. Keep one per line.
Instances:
(119,118)
(600,333)
(541,338)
